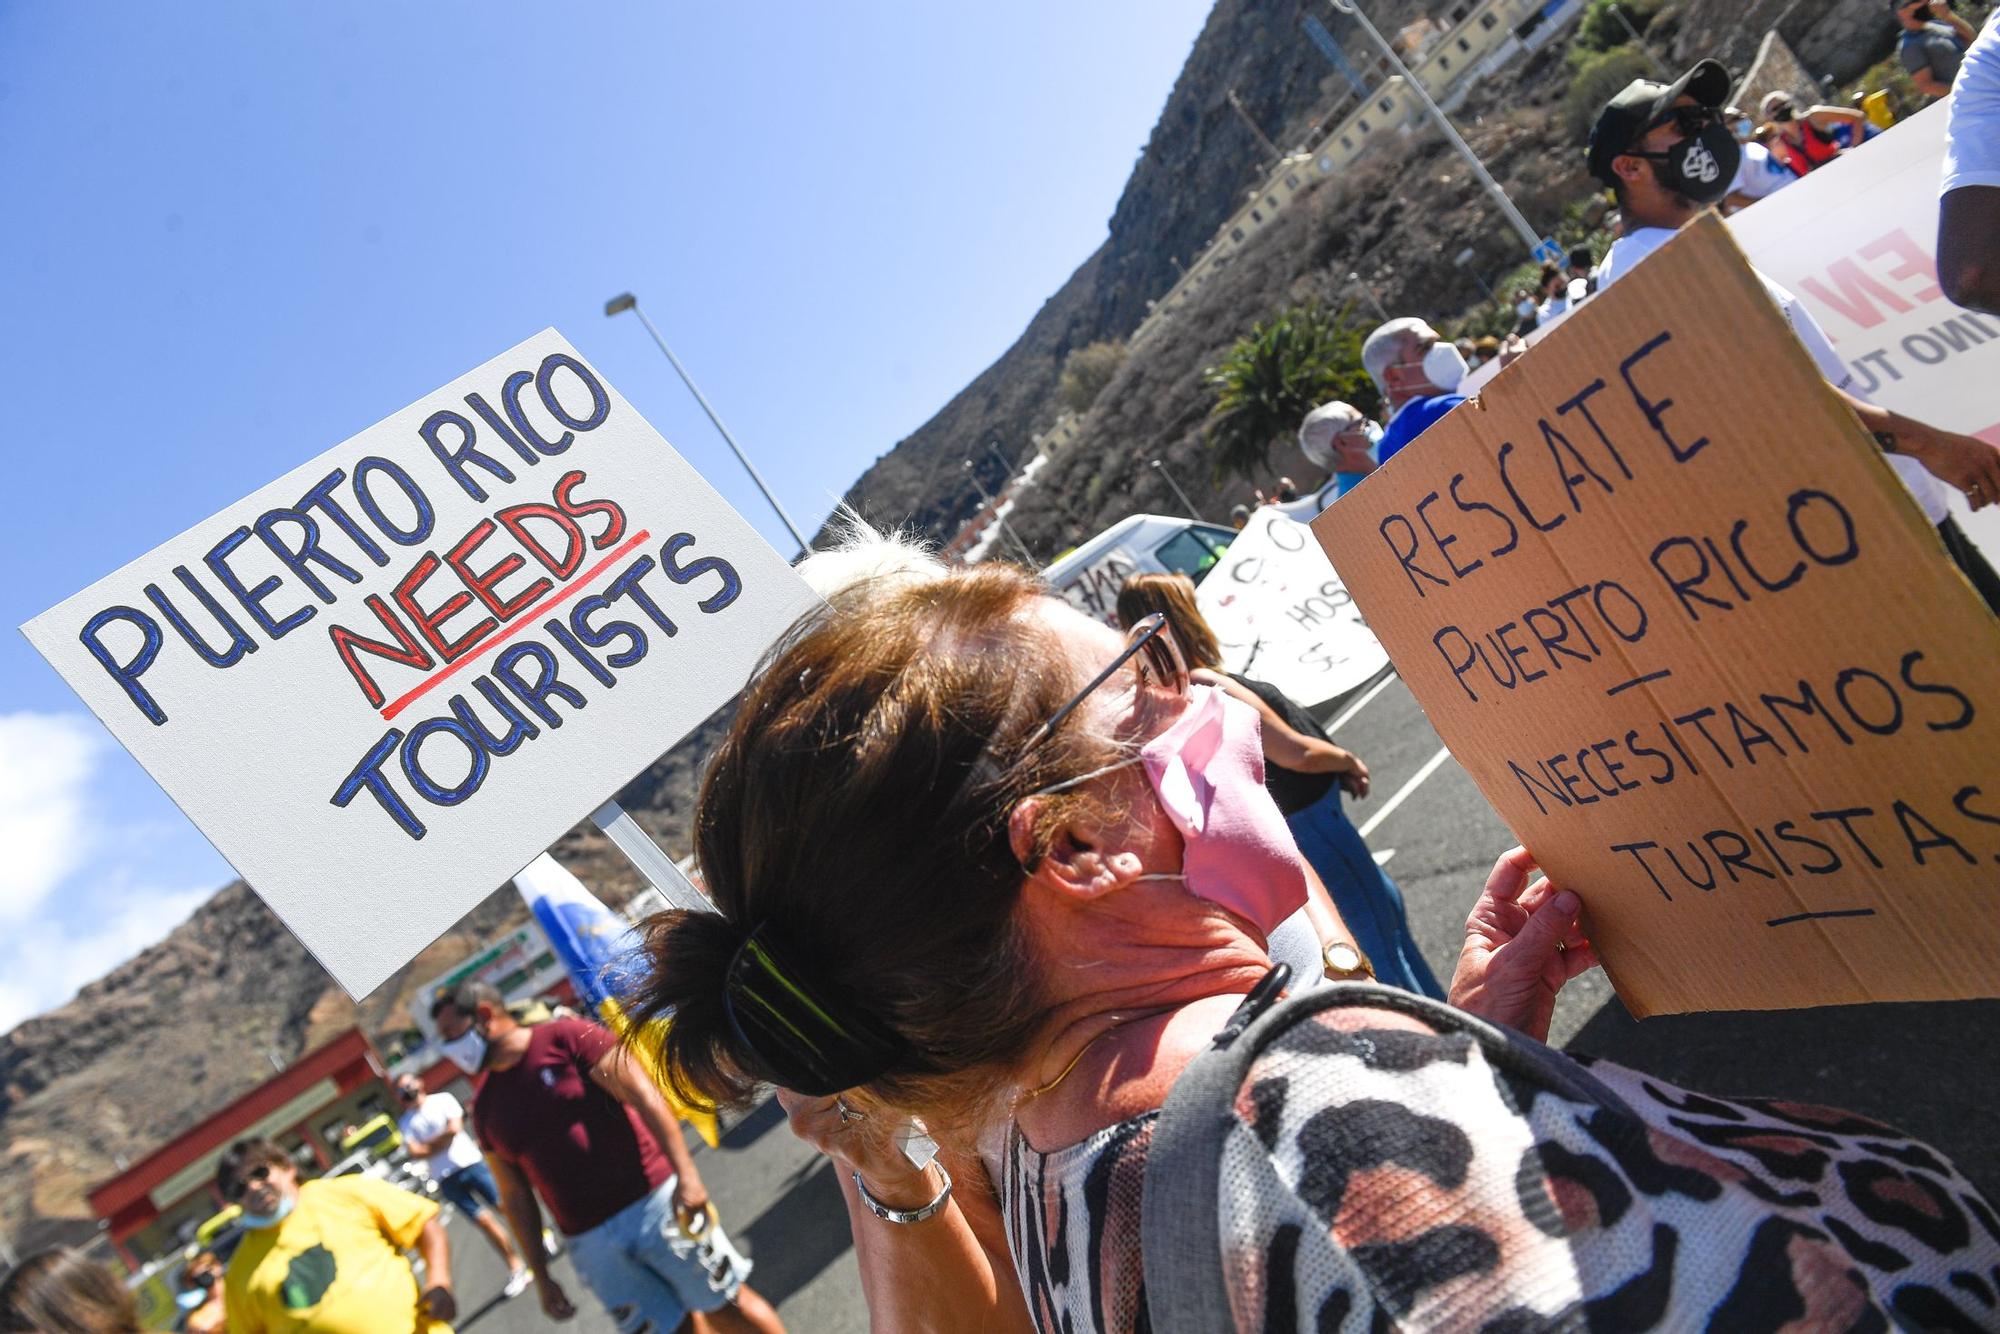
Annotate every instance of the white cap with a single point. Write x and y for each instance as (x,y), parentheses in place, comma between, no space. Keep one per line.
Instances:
(1579,288)
(1322,426)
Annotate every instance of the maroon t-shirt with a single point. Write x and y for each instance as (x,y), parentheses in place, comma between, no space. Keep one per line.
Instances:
(586,1153)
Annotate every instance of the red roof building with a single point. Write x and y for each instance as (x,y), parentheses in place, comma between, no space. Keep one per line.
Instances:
(155,1204)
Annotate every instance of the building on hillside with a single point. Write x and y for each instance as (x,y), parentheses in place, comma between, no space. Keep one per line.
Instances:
(1448,53)
(155,1205)
(1059,435)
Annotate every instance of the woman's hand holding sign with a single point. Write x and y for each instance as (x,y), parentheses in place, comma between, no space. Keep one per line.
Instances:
(1522,943)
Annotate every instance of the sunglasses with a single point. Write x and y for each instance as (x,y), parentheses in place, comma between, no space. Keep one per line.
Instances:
(240,1187)
(1160,666)
(1689,120)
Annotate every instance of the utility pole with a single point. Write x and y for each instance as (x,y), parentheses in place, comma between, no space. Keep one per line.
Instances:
(1354,280)
(1465,260)
(1529,236)
(999,523)
(1659,66)
(1161,469)
(1236,105)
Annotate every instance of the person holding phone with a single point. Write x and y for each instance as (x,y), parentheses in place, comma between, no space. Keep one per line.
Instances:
(1933,43)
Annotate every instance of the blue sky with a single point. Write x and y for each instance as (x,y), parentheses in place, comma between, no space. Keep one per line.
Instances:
(238,233)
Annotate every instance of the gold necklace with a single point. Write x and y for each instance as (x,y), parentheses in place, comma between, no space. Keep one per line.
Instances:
(1081,1052)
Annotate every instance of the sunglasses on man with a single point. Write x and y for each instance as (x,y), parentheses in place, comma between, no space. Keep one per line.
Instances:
(240,1187)
(1690,121)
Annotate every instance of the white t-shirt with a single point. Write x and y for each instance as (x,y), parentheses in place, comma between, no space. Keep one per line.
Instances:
(1760,174)
(1972,127)
(1634,246)
(427,1120)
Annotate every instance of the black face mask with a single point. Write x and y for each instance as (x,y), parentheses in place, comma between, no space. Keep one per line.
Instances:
(1701,167)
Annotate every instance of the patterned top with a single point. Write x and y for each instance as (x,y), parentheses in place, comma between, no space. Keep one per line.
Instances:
(1384,1178)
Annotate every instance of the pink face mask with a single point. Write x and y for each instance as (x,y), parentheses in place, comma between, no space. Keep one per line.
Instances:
(1208,771)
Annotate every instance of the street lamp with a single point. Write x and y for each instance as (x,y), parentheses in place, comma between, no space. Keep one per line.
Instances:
(1512,214)
(999,523)
(1465,260)
(1354,280)
(625,301)
(993,448)
(1160,468)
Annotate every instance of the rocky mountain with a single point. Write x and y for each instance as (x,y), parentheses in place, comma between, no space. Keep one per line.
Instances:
(1202,157)
(169,1036)
(1399,217)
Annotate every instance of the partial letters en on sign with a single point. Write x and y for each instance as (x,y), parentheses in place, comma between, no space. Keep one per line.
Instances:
(1666,603)
(384,683)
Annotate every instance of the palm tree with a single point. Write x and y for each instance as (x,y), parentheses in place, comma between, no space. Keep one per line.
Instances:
(1273,376)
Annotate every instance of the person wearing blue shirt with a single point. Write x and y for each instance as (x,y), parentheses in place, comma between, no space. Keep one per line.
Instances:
(1418,373)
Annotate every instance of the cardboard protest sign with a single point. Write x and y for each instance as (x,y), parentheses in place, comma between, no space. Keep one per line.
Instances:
(1856,242)
(1666,603)
(1280,615)
(384,683)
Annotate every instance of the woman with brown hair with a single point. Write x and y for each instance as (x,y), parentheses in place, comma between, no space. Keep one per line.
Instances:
(1307,774)
(977,858)
(58,1291)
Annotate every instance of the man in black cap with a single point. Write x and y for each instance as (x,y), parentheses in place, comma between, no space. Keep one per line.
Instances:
(1668,154)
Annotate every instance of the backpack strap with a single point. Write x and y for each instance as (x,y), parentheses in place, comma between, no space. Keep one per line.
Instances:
(1180,1213)
(1180,1203)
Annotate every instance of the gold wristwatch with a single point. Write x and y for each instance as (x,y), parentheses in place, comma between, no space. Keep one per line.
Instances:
(1346,963)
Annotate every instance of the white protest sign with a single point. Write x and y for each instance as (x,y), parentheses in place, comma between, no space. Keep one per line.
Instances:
(382,684)
(1856,242)
(1281,614)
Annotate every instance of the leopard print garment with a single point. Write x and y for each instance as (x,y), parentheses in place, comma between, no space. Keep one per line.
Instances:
(1388,1179)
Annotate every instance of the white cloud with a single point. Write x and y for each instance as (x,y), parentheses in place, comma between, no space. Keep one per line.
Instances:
(42,964)
(46,763)
(76,880)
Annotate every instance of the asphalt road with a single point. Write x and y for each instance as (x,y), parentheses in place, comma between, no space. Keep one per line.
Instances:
(779,1203)
(1927,1068)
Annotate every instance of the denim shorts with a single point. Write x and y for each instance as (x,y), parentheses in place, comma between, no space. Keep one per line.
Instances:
(471,1188)
(647,1274)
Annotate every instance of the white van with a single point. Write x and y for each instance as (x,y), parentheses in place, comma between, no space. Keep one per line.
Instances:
(1090,576)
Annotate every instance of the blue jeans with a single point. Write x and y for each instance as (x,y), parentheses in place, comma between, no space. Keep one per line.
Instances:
(1368,899)
(471,1188)
(647,1274)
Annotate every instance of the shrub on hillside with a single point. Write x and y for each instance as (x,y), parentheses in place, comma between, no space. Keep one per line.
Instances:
(1596,81)
(1086,371)
(1273,376)
(1600,30)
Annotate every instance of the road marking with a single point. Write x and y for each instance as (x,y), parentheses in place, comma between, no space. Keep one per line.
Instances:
(1382,858)
(1388,807)
(1362,703)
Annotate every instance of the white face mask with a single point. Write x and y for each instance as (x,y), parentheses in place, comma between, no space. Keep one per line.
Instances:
(467,1051)
(1525,309)
(257,1222)
(1444,366)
